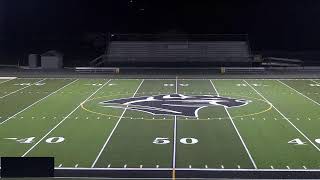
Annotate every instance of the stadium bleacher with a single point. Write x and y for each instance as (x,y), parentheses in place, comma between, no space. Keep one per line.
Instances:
(149,52)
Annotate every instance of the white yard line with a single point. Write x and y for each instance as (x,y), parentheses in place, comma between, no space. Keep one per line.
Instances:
(64,119)
(175,135)
(36,102)
(283,116)
(20,89)
(115,127)
(299,92)
(6,81)
(235,127)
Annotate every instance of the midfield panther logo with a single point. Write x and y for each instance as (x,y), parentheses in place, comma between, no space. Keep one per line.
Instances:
(173,104)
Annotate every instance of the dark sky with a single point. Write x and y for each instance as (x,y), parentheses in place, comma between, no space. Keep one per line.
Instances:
(281,24)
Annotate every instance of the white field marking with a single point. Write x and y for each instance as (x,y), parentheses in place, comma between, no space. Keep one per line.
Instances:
(157,166)
(60,165)
(8,78)
(304,167)
(141,166)
(190,166)
(20,89)
(315,81)
(287,167)
(36,102)
(125,166)
(206,166)
(299,92)
(193,169)
(114,128)
(283,116)
(109,165)
(235,127)
(175,134)
(271,167)
(76,165)
(239,167)
(5,81)
(45,136)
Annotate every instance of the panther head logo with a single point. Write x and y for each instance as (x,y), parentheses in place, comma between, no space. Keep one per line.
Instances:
(174,104)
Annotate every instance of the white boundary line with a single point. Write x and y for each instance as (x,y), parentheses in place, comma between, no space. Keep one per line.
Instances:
(232,79)
(64,119)
(115,127)
(187,169)
(299,92)
(21,89)
(235,127)
(36,102)
(283,116)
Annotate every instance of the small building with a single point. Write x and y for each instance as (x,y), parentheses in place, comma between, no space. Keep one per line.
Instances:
(33,60)
(52,60)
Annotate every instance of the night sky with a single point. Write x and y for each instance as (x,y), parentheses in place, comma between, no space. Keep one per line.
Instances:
(282,24)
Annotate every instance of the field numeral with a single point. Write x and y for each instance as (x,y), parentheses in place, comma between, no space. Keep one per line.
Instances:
(160,140)
(55,140)
(254,84)
(189,141)
(314,85)
(29,84)
(297,142)
(29,140)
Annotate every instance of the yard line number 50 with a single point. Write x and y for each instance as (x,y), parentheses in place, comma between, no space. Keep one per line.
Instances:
(160,140)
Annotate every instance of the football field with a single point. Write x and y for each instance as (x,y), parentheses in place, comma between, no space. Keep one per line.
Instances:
(167,124)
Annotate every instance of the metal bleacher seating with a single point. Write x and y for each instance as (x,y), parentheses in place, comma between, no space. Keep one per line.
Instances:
(143,50)
(178,51)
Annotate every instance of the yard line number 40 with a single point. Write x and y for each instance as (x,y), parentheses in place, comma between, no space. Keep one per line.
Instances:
(51,140)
